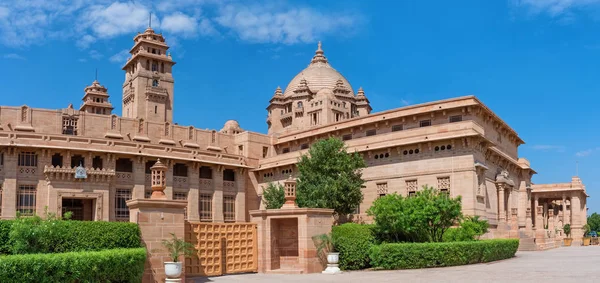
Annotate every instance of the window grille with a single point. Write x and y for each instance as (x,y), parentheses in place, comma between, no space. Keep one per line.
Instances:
(411,187)
(205,172)
(27,159)
(69,126)
(425,123)
(181,196)
(206,207)
(26,200)
(396,128)
(121,209)
(371,133)
(229,208)
(454,119)
(444,184)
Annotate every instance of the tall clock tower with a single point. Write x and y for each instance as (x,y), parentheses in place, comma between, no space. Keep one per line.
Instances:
(148,87)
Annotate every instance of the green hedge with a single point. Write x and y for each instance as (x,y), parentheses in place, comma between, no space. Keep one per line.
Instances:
(117,265)
(422,255)
(34,235)
(4,231)
(353,242)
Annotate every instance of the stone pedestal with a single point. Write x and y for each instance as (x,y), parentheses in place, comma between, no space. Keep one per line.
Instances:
(285,242)
(158,219)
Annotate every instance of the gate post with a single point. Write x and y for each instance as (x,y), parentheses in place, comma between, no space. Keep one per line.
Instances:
(158,218)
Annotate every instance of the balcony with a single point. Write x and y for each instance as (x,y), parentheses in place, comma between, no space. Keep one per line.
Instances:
(206,184)
(299,110)
(180,182)
(68,174)
(286,116)
(124,178)
(156,93)
(229,185)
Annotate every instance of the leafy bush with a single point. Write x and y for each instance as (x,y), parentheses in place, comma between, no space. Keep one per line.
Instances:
(420,218)
(422,255)
(4,231)
(274,196)
(36,235)
(567,229)
(117,265)
(353,242)
(470,229)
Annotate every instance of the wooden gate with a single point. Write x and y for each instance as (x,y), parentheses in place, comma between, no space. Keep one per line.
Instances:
(221,248)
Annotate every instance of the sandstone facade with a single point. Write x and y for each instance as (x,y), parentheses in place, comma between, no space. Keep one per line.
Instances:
(458,145)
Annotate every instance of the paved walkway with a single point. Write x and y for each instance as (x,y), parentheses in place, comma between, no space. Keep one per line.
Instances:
(567,264)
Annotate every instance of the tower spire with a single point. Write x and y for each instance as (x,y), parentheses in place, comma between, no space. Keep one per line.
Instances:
(319,57)
(96,78)
(150,20)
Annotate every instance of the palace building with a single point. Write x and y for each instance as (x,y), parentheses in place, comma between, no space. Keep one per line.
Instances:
(90,161)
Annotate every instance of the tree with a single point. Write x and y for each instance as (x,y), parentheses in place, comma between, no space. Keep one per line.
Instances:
(470,229)
(423,217)
(274,195)
(329,177)
(594,222)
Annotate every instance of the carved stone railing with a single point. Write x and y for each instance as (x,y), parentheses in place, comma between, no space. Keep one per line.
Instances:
(206,184)
(286,116)
(68,174)
(124,177)
(180,182)
(25,171)
(229,185)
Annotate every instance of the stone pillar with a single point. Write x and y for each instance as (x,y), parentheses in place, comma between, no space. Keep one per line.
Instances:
(546,218)
(528,224)
(139,178)
(169,187)
(218,195)
(564,210)
(9,193)
(240,196)
(536,213)
(194,192)
(501,204)
(158,219)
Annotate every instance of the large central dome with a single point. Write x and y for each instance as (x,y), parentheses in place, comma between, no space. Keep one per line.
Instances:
(318,75)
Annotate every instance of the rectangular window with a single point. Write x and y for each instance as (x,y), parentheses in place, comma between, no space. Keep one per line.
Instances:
(228,175)
(180,170)
(229,208)
(347,137)
(206,207)
(396,128)
(69,126)
(371,133)
(205,172)
(121,209)
(97,162)
(425,123)
(124,165)
(28,159)
(181,196)
(454,119)
(285,150)
(411,187)
(265,151)
(26,200)
(444,184)
(304,146)
(381,195)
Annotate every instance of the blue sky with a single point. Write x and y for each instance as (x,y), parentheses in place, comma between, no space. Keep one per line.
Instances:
(533,62)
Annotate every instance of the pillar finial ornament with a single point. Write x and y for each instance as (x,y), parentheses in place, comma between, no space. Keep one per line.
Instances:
(159,180)
(290,193)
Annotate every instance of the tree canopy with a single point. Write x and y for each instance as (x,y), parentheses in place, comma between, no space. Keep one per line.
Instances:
(330,177)
(594,222)
(274,196)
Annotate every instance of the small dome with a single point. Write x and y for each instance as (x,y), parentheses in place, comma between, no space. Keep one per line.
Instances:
(231,127)
(318,75)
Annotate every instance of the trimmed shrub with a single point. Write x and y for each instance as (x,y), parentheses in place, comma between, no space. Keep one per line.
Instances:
(422,255)
(117,265)
(35,235)
(4,231)
(353,242)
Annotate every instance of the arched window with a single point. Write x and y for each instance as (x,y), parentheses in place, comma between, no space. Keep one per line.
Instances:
(299,104)
(155,83)
(154,67)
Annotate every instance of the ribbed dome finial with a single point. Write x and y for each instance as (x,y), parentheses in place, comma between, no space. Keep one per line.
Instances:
(319,57)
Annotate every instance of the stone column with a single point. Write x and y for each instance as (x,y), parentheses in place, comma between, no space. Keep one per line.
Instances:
(535,211)
(193,194)
(240,197)
(546,218)
(564,210)
(169,188)
(139,178)
(218,195)
(501,202)
(9,193)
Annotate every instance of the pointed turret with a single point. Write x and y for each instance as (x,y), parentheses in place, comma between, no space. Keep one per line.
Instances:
(95,100)
(319,56)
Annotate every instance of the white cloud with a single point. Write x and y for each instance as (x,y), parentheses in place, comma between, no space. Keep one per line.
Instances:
(179,23)
(94,54)
(86,22)
(555,7)
(547,147)
(116,19)
(121,57)
(584,153)
(404,102)
(85,41)
(13,56)
(272,24)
